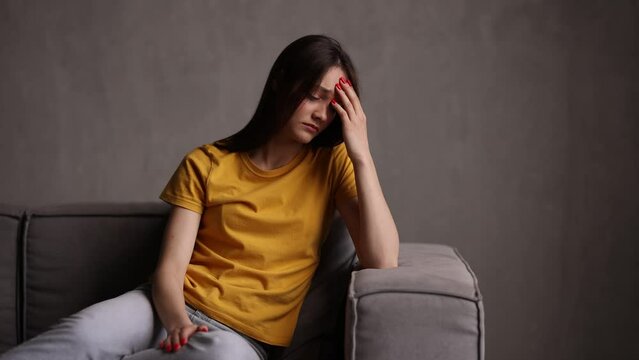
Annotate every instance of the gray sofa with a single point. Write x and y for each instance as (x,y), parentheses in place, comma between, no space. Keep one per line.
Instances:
(58,260)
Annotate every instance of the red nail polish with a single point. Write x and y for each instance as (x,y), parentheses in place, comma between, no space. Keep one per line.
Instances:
(339,86)
(183,341)
(341,79)
(176,347)
(333,102)
(167,347)
(349,83)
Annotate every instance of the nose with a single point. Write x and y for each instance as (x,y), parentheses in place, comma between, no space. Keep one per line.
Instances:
(323,112)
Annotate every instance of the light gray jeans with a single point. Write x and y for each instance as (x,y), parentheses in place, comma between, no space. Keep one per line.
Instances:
(127,327)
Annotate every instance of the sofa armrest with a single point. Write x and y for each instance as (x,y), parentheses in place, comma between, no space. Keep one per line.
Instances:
(429,307)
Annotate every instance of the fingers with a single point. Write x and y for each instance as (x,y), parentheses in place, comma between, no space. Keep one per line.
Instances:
(203,328)
(166,344)
(344,103)
(183,336)
(340,108)
(348,90)
(173,341)
(179,337)
(341,112)
(348,102)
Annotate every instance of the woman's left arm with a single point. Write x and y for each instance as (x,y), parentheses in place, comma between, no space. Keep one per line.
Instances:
(367,217)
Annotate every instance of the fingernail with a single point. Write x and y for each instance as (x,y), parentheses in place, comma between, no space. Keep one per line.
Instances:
(167,347)
(183,341)
(341,79)
(349,83)
(161,344)
(339,86)
(333,102)
(176,347)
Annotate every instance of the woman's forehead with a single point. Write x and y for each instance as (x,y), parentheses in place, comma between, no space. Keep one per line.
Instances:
(323,90)
(328,81)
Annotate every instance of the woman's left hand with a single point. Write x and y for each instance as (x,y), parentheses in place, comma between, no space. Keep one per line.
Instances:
(349,109)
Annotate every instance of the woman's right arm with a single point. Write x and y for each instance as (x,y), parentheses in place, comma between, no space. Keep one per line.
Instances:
(168,279)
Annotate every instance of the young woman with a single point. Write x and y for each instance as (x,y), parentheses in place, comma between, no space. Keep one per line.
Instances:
(248,217)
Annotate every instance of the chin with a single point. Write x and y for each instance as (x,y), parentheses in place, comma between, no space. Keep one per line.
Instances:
(305,138)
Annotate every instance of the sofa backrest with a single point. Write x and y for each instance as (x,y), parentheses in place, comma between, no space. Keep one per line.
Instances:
(64,258)
(77,255)
(10,223)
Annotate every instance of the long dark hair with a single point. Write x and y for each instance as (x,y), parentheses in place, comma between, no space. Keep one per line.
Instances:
(294,75)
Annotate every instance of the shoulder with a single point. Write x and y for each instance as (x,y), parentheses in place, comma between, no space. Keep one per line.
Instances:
(339,151)
(207,153)
(334,160)
(339,155)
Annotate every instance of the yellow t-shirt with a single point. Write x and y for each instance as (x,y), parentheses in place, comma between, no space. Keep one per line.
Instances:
(260,234)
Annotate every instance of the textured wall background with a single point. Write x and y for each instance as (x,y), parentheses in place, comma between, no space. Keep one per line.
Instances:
(506,128)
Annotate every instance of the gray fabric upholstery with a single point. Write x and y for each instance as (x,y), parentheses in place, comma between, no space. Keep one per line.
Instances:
(427,308)
(9,239)
(77,255)
(61,259)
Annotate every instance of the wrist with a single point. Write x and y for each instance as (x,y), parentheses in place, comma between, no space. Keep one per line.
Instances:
(362,160)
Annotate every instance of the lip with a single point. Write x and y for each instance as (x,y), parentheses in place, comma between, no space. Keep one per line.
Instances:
(311,126)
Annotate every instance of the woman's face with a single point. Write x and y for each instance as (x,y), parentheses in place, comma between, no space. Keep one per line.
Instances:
(315,112)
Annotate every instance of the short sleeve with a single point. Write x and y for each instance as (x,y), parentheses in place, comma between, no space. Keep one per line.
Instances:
(344,174)
(187,186)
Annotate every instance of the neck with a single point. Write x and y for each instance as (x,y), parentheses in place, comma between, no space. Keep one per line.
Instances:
(274,154)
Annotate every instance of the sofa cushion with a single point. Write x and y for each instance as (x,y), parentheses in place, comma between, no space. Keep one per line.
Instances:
(77,255)
(429,307)
(10,232)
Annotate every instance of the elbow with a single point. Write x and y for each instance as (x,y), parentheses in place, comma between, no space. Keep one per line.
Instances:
(385,266)
(386,255)
(381,264)
(388,265)
(380,267)
(165,276)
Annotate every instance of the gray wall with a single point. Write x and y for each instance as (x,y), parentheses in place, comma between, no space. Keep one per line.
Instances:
(506,128)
